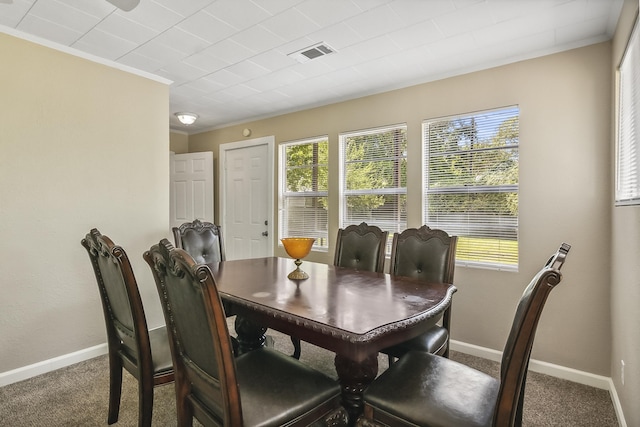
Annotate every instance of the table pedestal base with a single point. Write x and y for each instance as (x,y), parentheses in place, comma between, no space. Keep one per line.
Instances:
(354,378)
(250,335)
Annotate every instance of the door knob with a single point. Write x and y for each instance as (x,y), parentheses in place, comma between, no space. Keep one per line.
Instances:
(265,233)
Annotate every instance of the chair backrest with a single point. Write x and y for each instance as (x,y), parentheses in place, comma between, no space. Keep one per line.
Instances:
(424,253)
(127,332)
(361,247)
(517,350)
(202,240)
(201,347)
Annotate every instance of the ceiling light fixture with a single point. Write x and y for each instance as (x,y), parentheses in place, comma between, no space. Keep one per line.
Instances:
(125,5)
(187,118)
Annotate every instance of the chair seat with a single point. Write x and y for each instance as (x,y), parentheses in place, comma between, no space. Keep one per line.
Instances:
(434,341)
(275,388)
(160,350)
(429,390)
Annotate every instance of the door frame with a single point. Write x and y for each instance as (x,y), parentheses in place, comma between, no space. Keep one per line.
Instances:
(269,141)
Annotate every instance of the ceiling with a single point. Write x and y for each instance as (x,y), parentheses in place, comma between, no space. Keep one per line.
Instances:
(229,59)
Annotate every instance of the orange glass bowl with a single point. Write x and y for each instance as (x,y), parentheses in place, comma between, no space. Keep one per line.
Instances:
(298,248)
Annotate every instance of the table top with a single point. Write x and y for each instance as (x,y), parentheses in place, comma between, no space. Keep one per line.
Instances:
(340,303)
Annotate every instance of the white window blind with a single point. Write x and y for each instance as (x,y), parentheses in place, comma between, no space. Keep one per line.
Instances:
(374,178)
(628,150)
(303,190)
(471,184)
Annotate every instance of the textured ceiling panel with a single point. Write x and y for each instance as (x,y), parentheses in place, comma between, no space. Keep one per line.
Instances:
(229,63)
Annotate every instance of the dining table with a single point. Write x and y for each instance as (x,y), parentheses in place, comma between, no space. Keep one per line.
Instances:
(352,313)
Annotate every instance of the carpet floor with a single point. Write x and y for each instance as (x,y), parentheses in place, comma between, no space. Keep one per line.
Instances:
(78,395)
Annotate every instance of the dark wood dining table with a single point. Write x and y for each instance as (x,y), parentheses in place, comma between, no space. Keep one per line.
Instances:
(352,313)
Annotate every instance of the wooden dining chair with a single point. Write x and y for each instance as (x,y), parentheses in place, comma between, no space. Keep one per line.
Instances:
(430,255)
(202,240)
(362,247)
(144,353)
(428,390)
(262,387)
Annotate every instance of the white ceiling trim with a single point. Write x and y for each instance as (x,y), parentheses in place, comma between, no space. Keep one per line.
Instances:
(84,55)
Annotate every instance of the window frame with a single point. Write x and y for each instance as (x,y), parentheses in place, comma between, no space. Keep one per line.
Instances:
(283,194)
(627,154)
(344,192)
(504,188)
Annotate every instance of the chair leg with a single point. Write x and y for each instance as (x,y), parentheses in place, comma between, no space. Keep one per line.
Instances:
(183,408)
(115,388)
(145,403)
(518,415)
(234,345)
(446,323)
(297,350)
(446,350)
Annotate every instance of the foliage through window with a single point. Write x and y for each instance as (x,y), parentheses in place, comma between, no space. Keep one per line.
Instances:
(303,190)
(628,147)
(471,184)
(374,178)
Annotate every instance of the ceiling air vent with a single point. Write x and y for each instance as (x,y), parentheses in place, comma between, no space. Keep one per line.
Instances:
(312,52)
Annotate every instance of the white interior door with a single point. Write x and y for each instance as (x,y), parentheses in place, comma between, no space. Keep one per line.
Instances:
(191,192)
(246,202)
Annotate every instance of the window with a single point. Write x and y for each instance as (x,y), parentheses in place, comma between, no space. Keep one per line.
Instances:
(373,178)
(628,147)
(303,190)
(471,184)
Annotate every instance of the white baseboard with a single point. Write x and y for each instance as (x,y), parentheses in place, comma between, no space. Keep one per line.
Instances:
(562,372)
(569,374)
(45,366)
(617,405)
(557,371)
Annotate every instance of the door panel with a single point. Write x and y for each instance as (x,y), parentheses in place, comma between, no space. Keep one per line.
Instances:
(191,188)
(246,202)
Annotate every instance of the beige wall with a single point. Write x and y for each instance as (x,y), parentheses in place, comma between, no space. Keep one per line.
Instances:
(178,142)
(625,278)
(565,114)
(83,145)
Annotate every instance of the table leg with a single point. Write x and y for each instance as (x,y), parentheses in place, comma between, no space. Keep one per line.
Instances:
(354,378)
(250,335)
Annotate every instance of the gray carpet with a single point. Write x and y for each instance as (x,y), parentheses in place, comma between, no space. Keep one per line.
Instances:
(78,395)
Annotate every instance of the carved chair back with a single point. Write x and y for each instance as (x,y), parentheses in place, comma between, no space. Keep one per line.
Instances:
(424,253)
(361,247)
(202,240)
